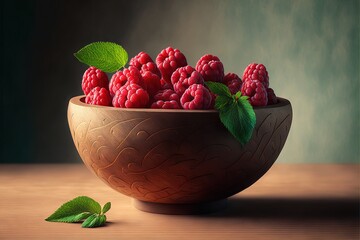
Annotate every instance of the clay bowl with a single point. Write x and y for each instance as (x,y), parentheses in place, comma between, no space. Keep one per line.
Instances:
(175,161)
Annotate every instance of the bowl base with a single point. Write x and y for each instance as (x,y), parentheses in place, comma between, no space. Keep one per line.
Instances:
(180,209)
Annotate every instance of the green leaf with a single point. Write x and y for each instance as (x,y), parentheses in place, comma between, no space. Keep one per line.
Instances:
(239,118)
(222,102)
(218,88)
(90,221)
(106,207)
(238,95)
(107,56)
(102,220)
(72,218)
(94,220)
(75,210)
(235,111)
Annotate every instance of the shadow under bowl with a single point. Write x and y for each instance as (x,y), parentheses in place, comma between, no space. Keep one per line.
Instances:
(175,161)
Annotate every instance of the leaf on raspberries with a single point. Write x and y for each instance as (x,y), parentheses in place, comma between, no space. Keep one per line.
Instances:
(106,56)
(222,102)
(235,112)
(238,95)
(239,118)
(218,88)
(75,210)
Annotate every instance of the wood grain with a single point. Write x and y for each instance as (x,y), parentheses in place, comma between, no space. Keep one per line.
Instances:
(294,201)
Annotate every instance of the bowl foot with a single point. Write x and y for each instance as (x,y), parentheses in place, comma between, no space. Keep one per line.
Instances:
(180,209)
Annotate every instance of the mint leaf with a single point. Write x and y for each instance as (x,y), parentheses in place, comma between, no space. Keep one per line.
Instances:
(222,102)
(239,118)
(90,221)
(238,95)
(106,56)
(75,210)
(72,218)
(81,208)
(235,112)
(94,220)
(102,220)
(106,207)
(218,88)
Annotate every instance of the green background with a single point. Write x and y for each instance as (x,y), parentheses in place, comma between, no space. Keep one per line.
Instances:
(310,48)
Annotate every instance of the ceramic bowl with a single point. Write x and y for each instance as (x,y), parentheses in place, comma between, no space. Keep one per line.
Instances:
(175,161)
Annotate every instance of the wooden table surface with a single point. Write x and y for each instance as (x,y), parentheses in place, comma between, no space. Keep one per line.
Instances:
(297,201)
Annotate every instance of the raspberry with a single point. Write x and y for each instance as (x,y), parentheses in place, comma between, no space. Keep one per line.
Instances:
(212,103)
(94,77)
(168,61)
(184,77)
(166,99)
(196,97)
(233,82)
(256,71)
(256,92)
(208,58)
(165,84)
(272,99)
(127,75)
(211,68)
(98,96)
(152,82)
(131,96)
(151,75)
(150,66)
(140,59)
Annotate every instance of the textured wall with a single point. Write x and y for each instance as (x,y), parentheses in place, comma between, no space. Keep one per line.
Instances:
(310,48)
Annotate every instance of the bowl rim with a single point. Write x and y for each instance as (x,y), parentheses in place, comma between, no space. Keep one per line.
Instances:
(80,101)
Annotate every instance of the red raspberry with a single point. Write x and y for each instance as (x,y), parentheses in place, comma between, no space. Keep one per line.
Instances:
(131,96)
(213,98)
(256,92)
(272,99)
(256,71)
(233,82)
(208,58)
(168,61)
(211,68)
(151,76)
(165,84)
(196,97)
(152,82)
(140,59)
(117,80)
(166,99)
(127,75)
(150,66)
(184,77)
(98,96)
(94,77)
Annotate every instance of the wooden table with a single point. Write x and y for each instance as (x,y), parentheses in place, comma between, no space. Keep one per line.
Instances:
(297,201)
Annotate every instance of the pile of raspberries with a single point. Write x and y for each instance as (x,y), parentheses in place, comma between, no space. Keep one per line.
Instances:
(170,83)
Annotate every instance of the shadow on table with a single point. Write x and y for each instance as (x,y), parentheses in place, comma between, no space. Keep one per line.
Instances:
(291,208)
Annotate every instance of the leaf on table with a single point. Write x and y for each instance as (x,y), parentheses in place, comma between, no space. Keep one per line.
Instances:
(75,210)
(94,220)
(106,207)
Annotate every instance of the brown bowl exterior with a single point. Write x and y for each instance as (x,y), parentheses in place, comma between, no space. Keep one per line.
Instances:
(175,156)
